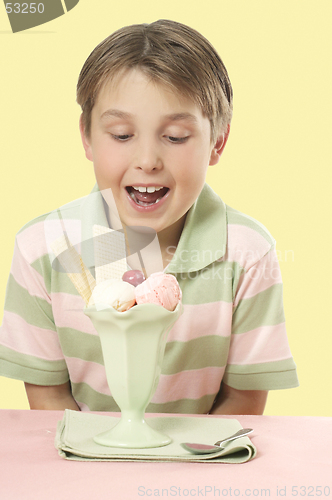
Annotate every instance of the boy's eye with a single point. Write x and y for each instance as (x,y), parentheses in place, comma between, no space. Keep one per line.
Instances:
(177,140)
(123,137)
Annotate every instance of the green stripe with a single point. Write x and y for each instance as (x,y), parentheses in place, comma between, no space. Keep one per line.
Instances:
(271,366)
(42,267)
(61,283)
(210,350)
(77,344)
(265,308)
(207,351)
(55,282)
(96,401)
(211,284)
(240,219)
(20,302)
(263,376)
(31,369)
(191,406)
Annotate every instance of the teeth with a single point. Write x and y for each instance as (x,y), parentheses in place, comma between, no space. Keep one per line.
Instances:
(150,189)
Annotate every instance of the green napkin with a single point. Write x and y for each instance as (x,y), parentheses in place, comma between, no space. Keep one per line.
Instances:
(75,432)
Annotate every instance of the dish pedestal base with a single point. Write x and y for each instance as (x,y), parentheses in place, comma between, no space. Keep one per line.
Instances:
(132,432)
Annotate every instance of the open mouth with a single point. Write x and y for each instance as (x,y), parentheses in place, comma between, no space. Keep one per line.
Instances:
(146,196)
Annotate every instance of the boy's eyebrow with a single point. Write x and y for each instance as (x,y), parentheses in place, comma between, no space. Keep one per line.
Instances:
(116,113)
(181,116)
(172,117)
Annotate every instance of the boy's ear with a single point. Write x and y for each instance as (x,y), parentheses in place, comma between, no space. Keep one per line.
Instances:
(85,141)
(219,147)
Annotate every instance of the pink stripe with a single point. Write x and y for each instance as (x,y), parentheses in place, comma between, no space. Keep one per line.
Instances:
(88,372)
(18,335)
(27,277)
(262,345)
(68,312)
(32,242)
(259,278)
(200,320)
(35,240)
(245,245)
(190,384)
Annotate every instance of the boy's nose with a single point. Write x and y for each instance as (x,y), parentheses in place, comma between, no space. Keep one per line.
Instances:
(148,158)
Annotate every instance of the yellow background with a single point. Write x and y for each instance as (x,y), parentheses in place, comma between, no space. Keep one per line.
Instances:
(276,166)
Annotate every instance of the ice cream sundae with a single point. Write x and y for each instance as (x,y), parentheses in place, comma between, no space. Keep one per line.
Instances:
(161,289)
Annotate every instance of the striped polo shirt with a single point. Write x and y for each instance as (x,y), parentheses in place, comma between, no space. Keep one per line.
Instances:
(232,328)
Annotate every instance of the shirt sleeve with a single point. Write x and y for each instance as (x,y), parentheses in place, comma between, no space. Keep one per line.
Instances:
(259,356)
(29,345)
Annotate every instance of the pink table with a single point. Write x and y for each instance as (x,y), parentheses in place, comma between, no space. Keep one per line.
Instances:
(294,460)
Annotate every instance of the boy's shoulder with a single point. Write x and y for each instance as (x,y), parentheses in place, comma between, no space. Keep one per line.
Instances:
(237,223)
(69,210)
(248,224)
(247,237)
(34,237)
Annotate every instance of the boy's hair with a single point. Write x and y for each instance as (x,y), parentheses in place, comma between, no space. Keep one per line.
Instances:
(169,53)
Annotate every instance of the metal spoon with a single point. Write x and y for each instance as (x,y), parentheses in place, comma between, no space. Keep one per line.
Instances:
(202,449)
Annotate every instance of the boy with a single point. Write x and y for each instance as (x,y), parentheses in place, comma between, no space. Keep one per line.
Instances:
(156,110)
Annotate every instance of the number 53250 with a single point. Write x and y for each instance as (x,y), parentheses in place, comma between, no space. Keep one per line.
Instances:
(24,8)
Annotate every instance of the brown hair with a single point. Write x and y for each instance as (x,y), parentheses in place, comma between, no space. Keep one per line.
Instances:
(170,53)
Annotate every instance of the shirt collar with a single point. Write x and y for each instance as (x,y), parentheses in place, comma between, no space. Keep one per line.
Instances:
(204,236)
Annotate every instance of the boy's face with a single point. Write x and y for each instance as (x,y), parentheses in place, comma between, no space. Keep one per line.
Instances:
(144,136)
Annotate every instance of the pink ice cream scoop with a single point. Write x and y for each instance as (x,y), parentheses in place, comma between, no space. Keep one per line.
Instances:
(159,288)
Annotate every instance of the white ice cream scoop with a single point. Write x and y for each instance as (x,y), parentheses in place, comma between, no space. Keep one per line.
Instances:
(113,293)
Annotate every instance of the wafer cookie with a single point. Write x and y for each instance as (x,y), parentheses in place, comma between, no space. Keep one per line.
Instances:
(72,263)
(110,253)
